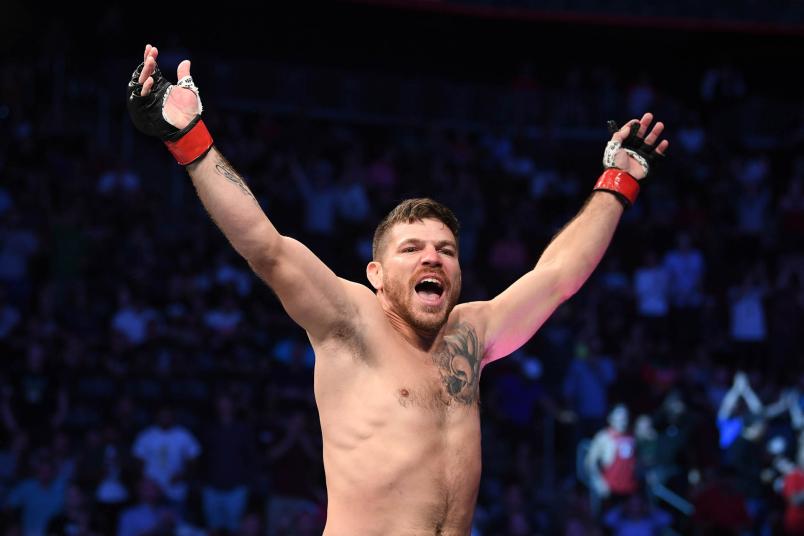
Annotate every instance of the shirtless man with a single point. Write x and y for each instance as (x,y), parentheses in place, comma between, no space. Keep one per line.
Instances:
(397,369)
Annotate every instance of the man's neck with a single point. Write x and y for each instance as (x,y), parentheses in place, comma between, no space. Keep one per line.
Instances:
(419,339)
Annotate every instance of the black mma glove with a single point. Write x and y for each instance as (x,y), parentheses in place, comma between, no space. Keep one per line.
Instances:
(634,145)
(187,144)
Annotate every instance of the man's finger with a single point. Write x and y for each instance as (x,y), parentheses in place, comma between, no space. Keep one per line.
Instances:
(662,147)
(651,138)
(624,131)
(146,87)
(644,123)
(147,49)
(183,69)
(147,70)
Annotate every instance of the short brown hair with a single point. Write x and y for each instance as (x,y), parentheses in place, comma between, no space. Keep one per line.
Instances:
(411,210)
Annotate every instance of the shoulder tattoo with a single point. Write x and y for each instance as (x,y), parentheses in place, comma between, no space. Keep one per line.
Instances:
(458,359)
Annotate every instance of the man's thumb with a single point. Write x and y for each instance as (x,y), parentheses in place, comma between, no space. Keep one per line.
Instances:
(183,69)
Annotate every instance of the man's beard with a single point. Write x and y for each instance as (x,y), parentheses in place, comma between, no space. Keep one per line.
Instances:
(422,317)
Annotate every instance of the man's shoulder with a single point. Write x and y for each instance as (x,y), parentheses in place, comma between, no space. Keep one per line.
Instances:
(358,291)
(467,322)
(474,313)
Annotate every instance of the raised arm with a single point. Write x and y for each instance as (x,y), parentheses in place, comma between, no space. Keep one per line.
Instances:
(309,291)
(514,316)
(751,399)
(741,388)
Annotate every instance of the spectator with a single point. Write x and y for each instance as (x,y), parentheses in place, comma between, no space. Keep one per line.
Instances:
(611,460)
(353,202)
(729,423)
(652,294)
(745,455)
(641,95)
(647,445)
(719,507)
(748,322)
(39,400)
(508,256)
(77,518)
(320,196)
(119,180)
(39,498)
(793,493)
(636,517)
(785,309)
(132,318)
(685,268)
(691,134)
(228,461)
(149,515)
(225,319)
(226,273)
(585,387)
(579,520)
(675,449)
(167,451)
(293,494)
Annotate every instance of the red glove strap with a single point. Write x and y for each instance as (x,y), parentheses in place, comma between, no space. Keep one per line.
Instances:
(192,145)
(619,182)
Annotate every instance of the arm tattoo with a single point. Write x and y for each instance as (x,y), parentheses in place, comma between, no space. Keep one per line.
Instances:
(223,167)
(458,361)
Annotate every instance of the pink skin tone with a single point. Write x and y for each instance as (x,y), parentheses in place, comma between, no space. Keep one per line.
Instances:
(413,252)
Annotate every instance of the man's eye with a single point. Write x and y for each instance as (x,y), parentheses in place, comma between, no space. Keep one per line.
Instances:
(448,252)
(409,249)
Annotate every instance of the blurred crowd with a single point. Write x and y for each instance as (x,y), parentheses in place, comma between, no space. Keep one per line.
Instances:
(717,11)
(151,384)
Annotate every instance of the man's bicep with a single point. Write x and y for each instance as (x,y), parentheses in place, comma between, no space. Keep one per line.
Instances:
(516,313)
(311,293)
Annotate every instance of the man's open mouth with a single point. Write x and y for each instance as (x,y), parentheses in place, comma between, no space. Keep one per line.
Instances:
(430,289)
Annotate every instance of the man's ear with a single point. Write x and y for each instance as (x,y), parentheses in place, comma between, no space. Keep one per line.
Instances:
(374,274)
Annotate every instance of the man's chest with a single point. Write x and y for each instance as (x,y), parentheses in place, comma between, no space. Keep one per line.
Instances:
(396,384)
(448,374)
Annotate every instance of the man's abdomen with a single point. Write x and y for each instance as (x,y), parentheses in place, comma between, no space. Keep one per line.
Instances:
(402,470)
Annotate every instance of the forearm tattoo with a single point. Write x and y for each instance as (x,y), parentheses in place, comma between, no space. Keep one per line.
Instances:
(458,360)
(223,167)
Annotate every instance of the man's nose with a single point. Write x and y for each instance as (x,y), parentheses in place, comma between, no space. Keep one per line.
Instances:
(430,256)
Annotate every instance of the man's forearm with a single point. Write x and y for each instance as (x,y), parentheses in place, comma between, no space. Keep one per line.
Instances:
(231,205)
(580,245)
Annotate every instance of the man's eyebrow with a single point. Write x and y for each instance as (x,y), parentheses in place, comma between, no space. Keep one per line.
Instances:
(418,242)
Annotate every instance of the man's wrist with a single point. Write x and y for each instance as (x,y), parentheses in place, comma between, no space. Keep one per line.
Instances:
(192,143)
(199,162)
(616,198)
(620,184)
